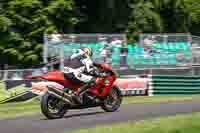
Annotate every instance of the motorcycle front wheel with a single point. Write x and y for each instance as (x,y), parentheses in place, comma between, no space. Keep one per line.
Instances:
(113,100)
(52,107)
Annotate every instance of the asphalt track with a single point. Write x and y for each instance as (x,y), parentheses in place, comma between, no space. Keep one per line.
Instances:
(91,117)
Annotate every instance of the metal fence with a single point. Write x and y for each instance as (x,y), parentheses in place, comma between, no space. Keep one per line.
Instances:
(158,53)
(166,50)
(19,74)
(175,54)
(60,46)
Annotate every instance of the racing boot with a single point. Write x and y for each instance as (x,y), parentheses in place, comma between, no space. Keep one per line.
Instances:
(78,96)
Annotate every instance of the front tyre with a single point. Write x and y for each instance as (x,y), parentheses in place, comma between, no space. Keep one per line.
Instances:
(52,107)
(113,100)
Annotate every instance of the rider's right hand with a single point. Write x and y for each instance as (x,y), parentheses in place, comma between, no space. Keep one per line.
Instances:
(98,73)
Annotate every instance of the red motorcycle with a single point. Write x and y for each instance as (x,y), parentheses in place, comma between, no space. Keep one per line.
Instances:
(56,89)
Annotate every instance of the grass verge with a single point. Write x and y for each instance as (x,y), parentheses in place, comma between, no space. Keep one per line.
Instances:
(4,94)
(158,99)
(19,109)
(177,124)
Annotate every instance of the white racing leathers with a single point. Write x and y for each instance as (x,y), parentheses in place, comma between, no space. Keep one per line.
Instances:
(85,65)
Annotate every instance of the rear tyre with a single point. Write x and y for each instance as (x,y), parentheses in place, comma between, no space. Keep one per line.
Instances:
(113,100)
(52,107)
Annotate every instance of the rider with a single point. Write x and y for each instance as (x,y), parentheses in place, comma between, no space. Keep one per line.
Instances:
(106,51)
(84,71)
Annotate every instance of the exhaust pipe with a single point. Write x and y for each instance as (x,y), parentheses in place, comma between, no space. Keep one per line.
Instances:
(59,94)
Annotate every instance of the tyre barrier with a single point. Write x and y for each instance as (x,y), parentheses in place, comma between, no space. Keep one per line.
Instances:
(173,85)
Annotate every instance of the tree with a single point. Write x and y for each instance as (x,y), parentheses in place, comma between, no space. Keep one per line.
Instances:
(23,23)
(174,16)
(143,18)
(193,9)
(156,16)
(103,16)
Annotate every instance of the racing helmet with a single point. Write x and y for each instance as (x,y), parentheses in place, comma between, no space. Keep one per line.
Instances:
(88,51)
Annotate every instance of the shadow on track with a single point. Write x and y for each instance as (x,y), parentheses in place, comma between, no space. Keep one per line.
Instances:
(78,115)
(84,114)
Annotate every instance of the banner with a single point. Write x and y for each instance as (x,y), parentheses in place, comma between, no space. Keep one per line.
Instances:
(133,86)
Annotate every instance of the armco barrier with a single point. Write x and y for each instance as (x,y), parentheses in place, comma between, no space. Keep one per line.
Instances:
(173,85)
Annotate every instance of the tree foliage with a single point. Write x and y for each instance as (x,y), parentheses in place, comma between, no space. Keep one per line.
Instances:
(23,22)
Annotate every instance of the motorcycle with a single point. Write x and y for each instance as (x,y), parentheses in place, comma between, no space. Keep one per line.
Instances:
(56,89)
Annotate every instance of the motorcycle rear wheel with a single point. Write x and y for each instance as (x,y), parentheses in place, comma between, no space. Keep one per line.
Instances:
(52,107)
(113,100)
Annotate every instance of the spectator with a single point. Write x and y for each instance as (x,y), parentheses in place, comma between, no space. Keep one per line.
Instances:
(148,45)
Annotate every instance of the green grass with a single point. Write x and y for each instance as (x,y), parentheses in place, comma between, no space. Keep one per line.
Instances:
(177,124)
(10,93)
(3,93)
(158,99)
(19,109)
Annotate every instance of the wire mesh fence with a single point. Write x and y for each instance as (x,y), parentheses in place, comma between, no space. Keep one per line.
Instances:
(157,53)
(166,50)
(19,74)
(62,46)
